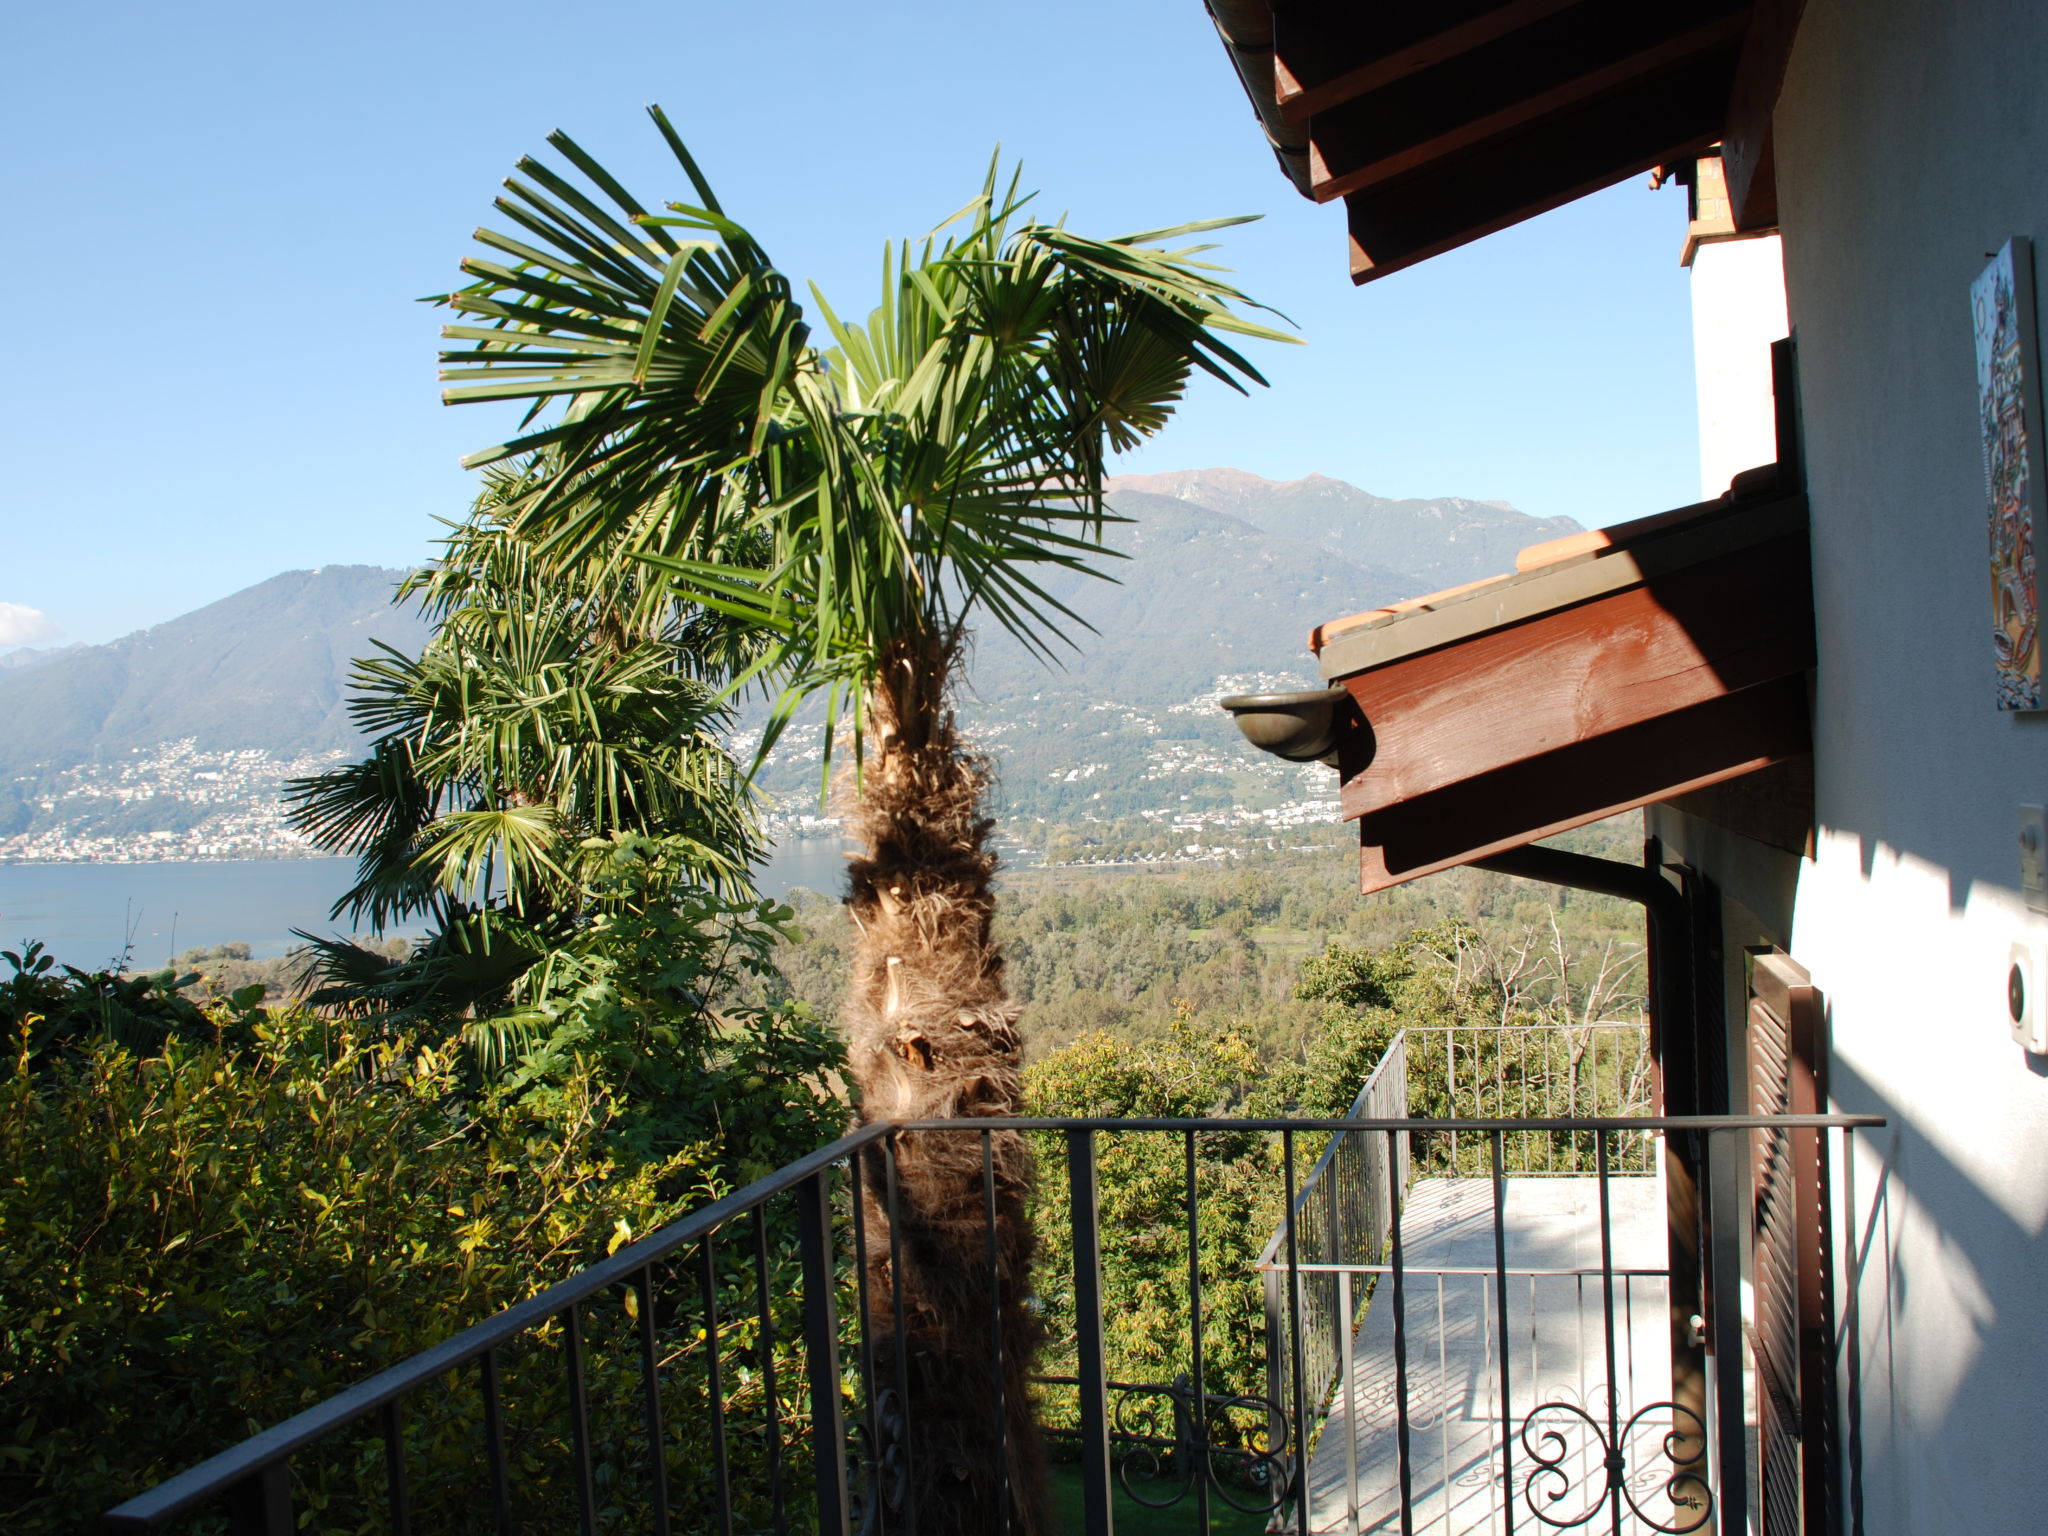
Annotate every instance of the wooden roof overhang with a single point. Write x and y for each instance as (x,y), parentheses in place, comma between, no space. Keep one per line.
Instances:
(1613,669)
(1440,121)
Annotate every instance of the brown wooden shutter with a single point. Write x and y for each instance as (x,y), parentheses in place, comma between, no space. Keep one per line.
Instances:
(1793,1332)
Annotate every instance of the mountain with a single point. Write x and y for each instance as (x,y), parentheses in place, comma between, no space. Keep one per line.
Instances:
(1225,576)
(1438,542)
(129,749)
(34,656)
(1201,593)
(264,669)
(1228,572)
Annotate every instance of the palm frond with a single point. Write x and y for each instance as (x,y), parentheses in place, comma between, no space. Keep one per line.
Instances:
(922,474)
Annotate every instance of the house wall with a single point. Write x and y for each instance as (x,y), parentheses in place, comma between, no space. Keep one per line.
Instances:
(1738,310)
(1912,141)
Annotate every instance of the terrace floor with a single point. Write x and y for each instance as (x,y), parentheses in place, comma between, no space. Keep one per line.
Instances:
(1557,1354)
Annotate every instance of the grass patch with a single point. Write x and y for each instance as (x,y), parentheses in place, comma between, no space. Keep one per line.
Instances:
(1135,1519)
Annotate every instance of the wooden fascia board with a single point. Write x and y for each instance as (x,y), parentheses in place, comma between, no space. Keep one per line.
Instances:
(1330,177)
(1530,690)
(1722,739)
(1299,101)
(1561,585)
(1747,150)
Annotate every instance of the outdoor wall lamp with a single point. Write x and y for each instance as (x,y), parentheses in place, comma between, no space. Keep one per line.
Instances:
(1300,727)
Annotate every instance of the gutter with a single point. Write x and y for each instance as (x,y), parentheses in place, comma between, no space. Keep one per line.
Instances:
(1670,940)
(1246,27)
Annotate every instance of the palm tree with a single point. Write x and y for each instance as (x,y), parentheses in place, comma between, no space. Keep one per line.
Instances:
(913,477)
(553,707)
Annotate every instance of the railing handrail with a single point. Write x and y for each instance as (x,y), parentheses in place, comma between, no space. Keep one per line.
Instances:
(1416,1124)
(240,1463)
(173,1496)
(1555,1272)
(1509,1029)
(1394,1057)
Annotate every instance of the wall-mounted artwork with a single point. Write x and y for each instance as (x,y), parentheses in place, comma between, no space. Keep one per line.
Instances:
(2009,412)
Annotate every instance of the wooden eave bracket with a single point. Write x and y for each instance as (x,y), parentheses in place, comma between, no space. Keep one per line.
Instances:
(1591,143)
(1594,108)
(1748,152)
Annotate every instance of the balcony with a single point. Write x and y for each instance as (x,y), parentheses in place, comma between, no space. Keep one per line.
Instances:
(1497,1295)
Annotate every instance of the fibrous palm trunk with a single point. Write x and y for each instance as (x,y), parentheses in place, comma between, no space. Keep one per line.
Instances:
(933,1036)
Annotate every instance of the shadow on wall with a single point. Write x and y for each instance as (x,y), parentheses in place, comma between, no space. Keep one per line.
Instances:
(1971,866)
(1925,1233)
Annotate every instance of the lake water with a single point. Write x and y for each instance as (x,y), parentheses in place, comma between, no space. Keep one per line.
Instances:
(86,913)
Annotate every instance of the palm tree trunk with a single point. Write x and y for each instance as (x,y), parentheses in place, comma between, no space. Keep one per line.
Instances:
(933,1036)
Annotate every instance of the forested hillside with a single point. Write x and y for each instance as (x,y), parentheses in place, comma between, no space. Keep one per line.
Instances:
(1119,950)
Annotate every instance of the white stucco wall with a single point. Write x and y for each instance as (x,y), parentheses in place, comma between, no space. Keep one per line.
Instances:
(1912,140)
(1738,310)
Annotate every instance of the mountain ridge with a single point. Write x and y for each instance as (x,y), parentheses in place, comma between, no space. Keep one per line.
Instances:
(1435,541)
(265,668)
(1226,574)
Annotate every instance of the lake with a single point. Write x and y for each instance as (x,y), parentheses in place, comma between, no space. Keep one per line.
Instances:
(85,914)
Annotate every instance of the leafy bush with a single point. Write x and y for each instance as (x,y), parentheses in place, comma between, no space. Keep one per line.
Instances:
(49,1011)
(1142,1184)
(213,1218)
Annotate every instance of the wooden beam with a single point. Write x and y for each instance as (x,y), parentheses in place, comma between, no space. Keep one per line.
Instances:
(1527,690)
(1687,750)
(1363,144)
(1653,120)
(1327,54)
(1748,152)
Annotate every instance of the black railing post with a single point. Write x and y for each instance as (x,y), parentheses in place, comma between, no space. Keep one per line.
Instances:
(821,1353)
(1096,1519)
(261,1505)
(1617,1464)
(899,1333)
(714,1383)
(650,1399)
(398,1499)
(997,1366)
(494,1440)
(1200,1452)
(579,1421)
(771,1427)
(1296,1368)
(1401,1435)
(1500,1302)
(1724,1249)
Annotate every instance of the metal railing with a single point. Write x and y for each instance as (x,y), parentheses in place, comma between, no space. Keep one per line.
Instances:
(1532,1071)
(1342,1219)
(737,1370)
(1439,1073)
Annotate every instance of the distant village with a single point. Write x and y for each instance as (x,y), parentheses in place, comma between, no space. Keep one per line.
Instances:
(222,805)
(1129,784)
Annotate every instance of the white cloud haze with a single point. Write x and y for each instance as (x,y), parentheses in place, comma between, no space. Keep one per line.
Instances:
(25,626)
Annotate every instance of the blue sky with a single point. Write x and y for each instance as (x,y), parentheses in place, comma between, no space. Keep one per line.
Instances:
(220,215)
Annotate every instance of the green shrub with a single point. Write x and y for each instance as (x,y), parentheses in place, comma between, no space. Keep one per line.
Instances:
(1142,1184)
(207,1233)
(49,1011)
